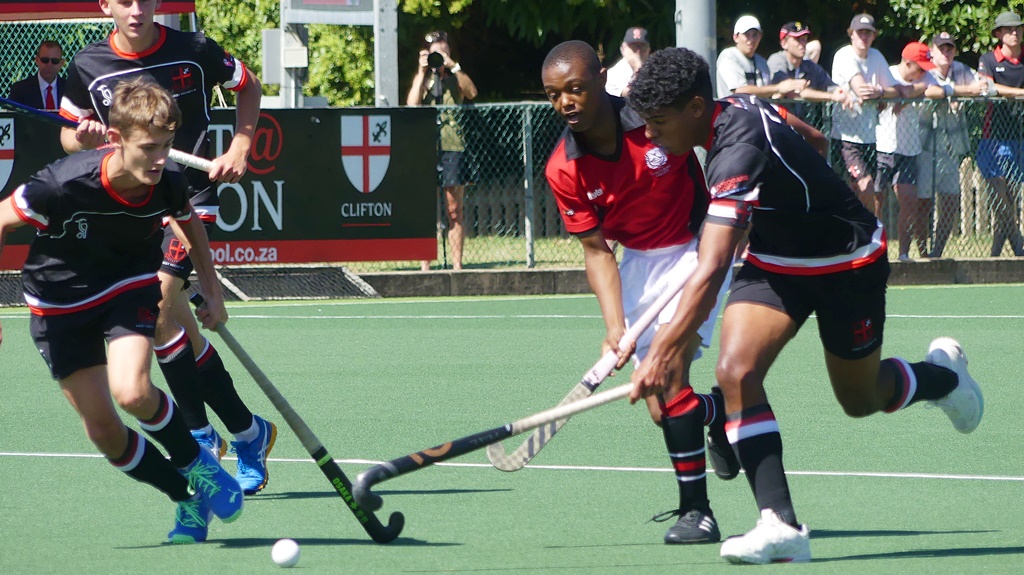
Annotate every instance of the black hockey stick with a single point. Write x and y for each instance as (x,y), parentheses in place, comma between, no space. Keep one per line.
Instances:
(415,461)
(30,112)
(323,459)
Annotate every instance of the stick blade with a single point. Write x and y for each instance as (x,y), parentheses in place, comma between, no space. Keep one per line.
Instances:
(504,461)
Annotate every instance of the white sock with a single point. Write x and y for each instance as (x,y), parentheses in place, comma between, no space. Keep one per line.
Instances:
(250,434)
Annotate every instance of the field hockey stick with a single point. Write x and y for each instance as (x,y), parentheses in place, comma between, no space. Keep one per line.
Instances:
(362,489)
(529,449)
(177,155)
(316,450)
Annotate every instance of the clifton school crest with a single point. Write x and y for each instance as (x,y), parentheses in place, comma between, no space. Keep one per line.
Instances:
(365,150)
(6,150)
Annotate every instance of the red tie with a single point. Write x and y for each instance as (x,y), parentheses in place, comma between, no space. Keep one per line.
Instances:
(50,105)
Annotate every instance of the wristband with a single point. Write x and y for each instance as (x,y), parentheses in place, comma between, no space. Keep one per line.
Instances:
(456,68)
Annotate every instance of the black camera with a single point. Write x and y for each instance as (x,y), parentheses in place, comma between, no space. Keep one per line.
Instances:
(436,61)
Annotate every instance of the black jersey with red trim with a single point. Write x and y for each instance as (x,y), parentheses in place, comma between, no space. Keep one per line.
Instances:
(641,196)
(1002,119)
(804,219)
(188,64)
(91,243)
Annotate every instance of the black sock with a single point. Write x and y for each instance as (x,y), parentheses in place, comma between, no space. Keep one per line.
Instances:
(168,428)
(219,391)
(177,362)
(754,435)
(920,381)
(144,462)
(714,411)
(682,424)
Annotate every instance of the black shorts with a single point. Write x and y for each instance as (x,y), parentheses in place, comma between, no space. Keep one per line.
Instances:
(176,261)
(895,169)
(850,305)
(450,169)
(858,160)
(75,341)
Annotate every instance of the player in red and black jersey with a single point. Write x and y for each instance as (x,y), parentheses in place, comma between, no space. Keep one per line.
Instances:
(613,185)
(91,284)
(813,248)
(189,65)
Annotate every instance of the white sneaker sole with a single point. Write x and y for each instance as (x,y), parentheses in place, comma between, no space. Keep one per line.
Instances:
(950,350)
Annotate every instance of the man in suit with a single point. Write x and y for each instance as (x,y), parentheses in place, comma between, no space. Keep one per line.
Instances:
(44,89)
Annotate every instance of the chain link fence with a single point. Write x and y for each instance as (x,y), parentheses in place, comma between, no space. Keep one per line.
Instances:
(936,195)
(954,185)
(19,42)
(946,174)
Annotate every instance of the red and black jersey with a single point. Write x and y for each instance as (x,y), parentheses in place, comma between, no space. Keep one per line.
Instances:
(640,196)
(91,243)
(187,64)
(1002,119)
(805,220)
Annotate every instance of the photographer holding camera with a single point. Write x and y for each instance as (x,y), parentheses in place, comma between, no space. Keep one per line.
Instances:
(440,81)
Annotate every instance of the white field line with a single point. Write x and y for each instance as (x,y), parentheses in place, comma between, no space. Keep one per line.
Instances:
(614,469)
(435,317)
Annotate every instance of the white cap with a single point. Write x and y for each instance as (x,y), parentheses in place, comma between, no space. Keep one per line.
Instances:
(745,23)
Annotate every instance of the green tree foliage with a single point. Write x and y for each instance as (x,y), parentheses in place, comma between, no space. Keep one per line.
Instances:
(501,43)
(969,22)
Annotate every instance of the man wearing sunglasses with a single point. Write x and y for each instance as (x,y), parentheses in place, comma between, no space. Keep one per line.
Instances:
(43,89)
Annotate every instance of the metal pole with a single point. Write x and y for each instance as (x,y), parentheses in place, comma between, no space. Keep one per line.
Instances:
(695,29)
(528,185)
(385,52)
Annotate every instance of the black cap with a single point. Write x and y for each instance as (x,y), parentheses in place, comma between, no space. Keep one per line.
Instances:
(863,22)
(943,38)
(635,35)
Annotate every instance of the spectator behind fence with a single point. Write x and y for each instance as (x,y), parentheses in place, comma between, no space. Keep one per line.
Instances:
(740,69)
(441,81)
(813,51)
(1001,150)
(862,70)
(635,49)
(945,140)
(899,144)
(44,88)
(789,63)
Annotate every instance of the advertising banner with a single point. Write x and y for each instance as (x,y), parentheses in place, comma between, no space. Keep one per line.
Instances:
(323,185)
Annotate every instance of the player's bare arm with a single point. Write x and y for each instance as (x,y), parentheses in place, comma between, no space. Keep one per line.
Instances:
(231,166)
(714,261)
(193,235)
(9,220)
(90,134)
(603,276)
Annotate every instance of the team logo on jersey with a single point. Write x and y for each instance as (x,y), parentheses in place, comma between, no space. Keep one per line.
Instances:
(229,60)
(570,213)
(595,194)
(366,150)
(182,79)
(83,228)
(6,150)
(106,94)
(657,161)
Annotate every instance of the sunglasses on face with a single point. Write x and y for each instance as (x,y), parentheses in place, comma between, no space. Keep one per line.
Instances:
(48,60)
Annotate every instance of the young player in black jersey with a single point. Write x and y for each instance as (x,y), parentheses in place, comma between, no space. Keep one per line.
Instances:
(90,282)
(189,65)
(813,248)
